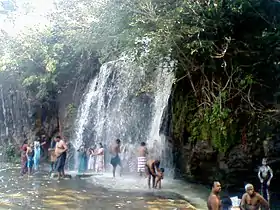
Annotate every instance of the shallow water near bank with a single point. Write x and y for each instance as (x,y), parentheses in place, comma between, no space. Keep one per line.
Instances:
(194,193)
(42,192)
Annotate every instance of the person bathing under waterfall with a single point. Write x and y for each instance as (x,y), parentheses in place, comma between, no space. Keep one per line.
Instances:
(99,165)
(252,200)
(142,158)
(52,154)
(152,168)
(265,175)
(30,155)
(23,158)
(37,154)
(82,156)
(115,160)
(159,178)
(91,159)
(60,152)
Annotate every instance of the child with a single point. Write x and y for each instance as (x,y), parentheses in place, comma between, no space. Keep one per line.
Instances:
(30,155)
(159,178)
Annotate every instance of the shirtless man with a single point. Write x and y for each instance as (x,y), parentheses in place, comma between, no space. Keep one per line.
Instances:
(265,175)
(60,152)
(152,168)
(214,201)
(252,200)
(115,159)
(142,158)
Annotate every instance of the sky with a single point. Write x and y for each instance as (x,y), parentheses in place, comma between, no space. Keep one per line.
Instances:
(28,13)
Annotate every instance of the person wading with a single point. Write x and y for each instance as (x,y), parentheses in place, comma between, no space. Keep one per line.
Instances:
(142,158)
(23,158)
(30,155)
(60,152)
(265,175)
(115,160)
(152,168)
(214,201)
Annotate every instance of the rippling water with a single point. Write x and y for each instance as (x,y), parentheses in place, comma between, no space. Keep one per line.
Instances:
(97,192)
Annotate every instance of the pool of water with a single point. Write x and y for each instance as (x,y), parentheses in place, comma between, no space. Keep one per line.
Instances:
(194,193)
(42,192)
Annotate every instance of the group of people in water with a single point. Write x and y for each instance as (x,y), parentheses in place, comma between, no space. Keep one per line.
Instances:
(90,159)
(31,153)
(251,200)
(147,165)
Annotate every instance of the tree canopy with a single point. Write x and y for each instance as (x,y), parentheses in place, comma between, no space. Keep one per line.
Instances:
(226,53)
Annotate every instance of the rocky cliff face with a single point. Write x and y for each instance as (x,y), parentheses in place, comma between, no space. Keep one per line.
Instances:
(23,117)
(198,161)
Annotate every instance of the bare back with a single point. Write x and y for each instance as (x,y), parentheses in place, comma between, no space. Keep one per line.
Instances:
(142,151)
(115,149)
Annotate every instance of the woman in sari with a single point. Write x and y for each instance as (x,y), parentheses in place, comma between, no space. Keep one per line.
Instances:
(91,159)
(99,165)
(37,155)
(23,158)
(82,155)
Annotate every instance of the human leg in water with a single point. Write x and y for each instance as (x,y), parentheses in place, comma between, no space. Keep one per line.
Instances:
(265,190)
(115,161)
(29,165)
(150,176)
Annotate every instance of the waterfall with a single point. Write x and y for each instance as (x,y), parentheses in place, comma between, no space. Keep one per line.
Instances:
(4,111)
(124,101)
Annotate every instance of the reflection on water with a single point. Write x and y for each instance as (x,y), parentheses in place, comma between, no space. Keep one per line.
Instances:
(41,192)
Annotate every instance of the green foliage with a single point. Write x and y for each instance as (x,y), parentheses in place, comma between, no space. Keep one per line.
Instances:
(226,65)
(12,154)
(71,110)
(214,124)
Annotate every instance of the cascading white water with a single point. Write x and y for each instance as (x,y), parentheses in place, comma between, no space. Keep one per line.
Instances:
(118,105)
(4,112)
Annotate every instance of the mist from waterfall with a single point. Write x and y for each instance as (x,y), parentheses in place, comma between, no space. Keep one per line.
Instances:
(124,101)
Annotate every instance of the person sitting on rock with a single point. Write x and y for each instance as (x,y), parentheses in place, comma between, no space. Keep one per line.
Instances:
(252,200)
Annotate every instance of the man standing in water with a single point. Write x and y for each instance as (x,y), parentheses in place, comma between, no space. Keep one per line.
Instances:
(152,166)
(252,200)
(60,152)
(115,159)
(142,158)
(265,175)
(214,201)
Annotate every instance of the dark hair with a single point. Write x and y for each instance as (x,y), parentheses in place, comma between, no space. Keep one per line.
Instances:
(118,141)
(157,163)
(100,144)
(143,144)
(162,170)
(58,137)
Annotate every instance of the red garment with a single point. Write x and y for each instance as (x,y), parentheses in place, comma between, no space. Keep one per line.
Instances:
(24,147)
(23,150)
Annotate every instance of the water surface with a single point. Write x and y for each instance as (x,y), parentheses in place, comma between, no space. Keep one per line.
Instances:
(42,192)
